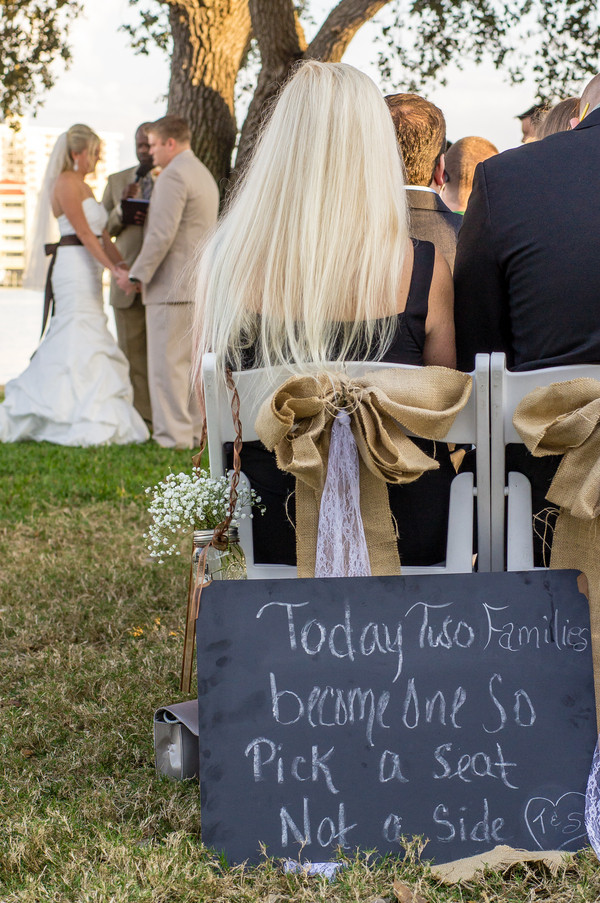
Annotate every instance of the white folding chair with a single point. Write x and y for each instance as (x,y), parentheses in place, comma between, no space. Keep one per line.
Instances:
(470,427)
(513,502)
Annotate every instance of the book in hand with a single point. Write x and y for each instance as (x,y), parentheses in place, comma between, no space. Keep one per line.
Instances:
(131,207)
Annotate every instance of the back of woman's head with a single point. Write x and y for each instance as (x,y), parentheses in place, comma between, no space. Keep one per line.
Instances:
(79,137)
(315,233)
(558,119)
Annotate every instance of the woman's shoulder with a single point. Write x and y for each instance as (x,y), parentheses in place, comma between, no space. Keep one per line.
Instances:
(68,183)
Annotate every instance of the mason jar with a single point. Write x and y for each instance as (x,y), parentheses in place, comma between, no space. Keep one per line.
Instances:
(221,564)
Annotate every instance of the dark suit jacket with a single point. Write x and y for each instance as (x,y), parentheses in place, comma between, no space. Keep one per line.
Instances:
(432,221)
(527,275)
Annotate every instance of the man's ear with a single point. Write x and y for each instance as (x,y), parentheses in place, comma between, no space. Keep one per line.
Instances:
(438,174)
(574,122)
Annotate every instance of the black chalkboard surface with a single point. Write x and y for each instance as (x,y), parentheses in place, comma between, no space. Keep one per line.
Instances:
(349,712)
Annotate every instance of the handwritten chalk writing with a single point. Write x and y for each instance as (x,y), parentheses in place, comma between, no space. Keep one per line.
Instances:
(556,823)
(512,637)
(520,696)
(327,832)
(289,606)
(479,765)
(462,635)
(392,828)
(390,770)
(411,711)
(258,762)
(369,641)
(482,832)
(287,822)
(498,704)
(317,765)
(276,696)
(355,705)
(315,636)
(460,697)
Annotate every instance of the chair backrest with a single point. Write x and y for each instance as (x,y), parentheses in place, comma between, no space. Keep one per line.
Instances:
(471,426)
(507,389)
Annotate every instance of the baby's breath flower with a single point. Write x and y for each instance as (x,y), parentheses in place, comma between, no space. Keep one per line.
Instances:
(184,502)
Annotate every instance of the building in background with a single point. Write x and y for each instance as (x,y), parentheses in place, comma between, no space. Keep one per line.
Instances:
(12,231)
(24,156)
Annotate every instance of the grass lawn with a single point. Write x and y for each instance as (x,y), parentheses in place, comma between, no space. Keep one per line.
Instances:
(90,645)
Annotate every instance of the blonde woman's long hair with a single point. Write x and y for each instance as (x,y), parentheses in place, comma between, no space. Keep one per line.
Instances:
(304,267)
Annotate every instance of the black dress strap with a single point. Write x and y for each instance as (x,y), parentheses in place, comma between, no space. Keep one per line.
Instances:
(420,282)
(409,342)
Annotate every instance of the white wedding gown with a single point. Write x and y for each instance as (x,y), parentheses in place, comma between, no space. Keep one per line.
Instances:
(76,390)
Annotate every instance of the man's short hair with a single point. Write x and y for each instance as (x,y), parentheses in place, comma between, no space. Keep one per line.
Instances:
(171,127)
(421,132)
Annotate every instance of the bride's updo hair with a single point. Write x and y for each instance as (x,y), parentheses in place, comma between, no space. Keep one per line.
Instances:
(79,137)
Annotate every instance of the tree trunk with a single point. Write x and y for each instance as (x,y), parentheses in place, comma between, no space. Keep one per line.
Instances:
(281,42)
(209,41)
(281,45)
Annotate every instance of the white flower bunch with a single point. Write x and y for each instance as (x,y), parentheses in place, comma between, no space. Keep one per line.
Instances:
(186,502)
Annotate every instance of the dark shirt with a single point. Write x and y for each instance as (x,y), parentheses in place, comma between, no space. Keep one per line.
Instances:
(431,220)
(527,274)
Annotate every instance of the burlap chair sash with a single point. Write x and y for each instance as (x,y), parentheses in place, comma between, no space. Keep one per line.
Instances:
(296,423)
(564,419)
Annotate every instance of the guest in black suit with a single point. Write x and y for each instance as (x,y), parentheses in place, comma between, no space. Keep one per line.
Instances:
(421,132)
(527,276)
(527,270)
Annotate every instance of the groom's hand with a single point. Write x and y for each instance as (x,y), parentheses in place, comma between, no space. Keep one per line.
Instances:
(122,279)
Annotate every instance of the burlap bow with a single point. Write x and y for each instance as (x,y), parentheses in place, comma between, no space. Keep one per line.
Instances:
(296,422)
(564,419)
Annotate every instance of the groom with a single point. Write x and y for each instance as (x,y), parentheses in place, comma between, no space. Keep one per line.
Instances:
(183,207)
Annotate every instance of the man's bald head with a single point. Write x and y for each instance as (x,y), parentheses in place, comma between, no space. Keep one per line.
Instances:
(591,95)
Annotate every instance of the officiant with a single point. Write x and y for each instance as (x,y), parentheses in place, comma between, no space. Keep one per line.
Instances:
(135,182)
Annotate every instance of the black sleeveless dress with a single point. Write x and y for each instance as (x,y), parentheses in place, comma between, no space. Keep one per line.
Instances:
(420,508)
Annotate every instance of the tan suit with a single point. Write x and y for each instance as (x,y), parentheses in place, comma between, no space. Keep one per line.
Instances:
(184,206)
(129,311)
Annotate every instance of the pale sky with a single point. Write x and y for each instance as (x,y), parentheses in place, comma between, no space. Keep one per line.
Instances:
(111,89)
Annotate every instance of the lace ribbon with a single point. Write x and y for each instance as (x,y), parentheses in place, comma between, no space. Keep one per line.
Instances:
(341,544)
(592,804)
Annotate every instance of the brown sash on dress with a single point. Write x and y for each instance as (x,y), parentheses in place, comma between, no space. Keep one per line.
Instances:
(49,294)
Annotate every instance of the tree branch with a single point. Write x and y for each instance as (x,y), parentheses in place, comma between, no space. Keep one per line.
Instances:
(331,41)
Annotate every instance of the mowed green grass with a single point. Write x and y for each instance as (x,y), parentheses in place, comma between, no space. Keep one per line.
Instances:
(90,645)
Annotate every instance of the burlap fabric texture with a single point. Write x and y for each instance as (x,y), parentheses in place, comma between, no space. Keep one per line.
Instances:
(564,419)
(296,423)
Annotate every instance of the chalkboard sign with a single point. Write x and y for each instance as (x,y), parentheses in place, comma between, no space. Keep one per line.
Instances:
(349,712)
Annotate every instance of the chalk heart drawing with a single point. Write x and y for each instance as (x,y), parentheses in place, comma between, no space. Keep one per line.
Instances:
(556,824)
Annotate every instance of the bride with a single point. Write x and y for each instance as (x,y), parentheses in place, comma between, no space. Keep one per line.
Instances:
(76,389)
